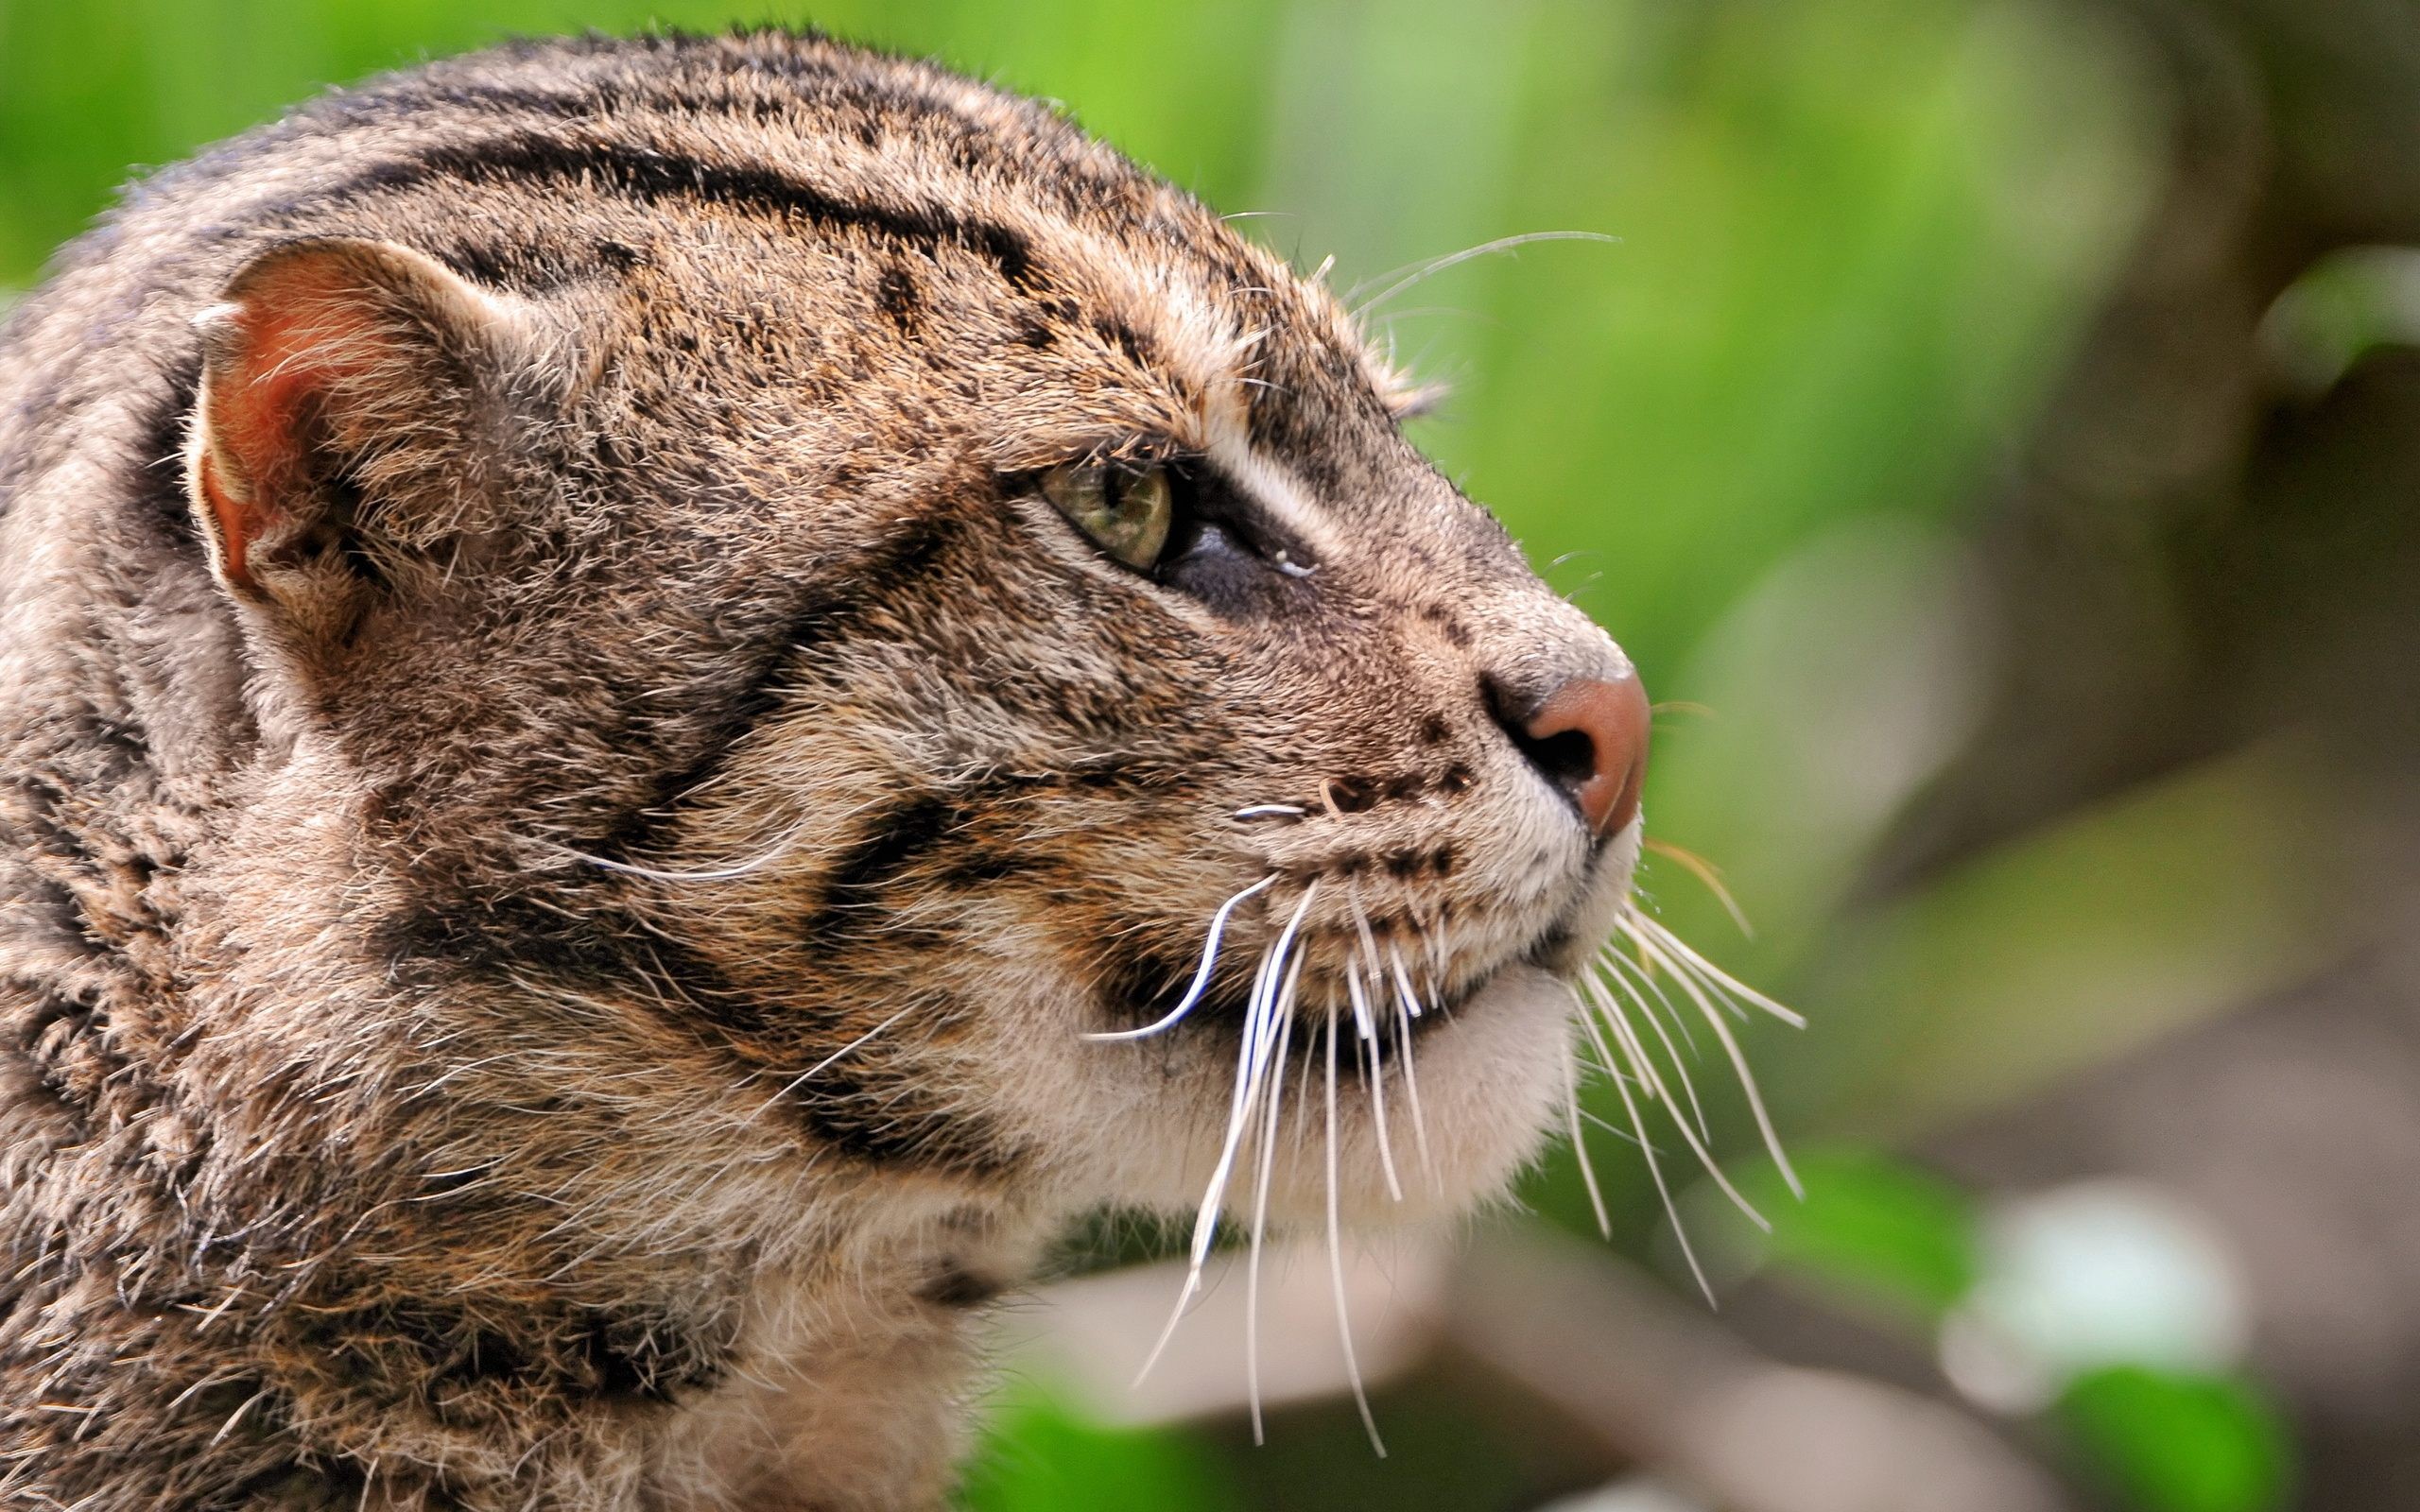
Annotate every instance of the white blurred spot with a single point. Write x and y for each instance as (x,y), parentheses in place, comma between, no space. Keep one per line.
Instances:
(2094,1274)
(2351,303)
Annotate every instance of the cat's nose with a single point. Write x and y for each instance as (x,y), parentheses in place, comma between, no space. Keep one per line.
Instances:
(1589,738)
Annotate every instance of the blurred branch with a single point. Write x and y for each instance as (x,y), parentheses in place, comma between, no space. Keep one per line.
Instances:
(1649,1378)
(1667,1384)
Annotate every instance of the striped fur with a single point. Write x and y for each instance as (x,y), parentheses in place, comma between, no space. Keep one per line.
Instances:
(581,1021)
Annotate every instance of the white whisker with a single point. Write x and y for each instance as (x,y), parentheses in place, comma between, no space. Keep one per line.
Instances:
(1373,1083)
(1639,976)
(1626,1036)
(1607,1060)
(1269,1119)
(1362,1022)
(827,1062)
(1202,977)
(1302,1080)
(1579,1141)
(1335,1259)
(1406,1007)
(736,870)
(1259,1014)
(1680,1067)
(1675,950)
(1738,1065)
(1655,1172)
(1403,981)
(1615,1130)
(1437,265)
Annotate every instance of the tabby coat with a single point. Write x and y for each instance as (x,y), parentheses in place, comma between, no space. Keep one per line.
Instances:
(567,803)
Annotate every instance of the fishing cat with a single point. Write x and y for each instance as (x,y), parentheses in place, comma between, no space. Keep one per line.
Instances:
(659,700)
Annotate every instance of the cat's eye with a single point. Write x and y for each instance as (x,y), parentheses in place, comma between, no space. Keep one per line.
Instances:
(1129,511)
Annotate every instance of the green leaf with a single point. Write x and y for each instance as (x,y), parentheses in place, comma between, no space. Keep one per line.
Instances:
(2175,1442)
(1039,1456)
(1876,1226)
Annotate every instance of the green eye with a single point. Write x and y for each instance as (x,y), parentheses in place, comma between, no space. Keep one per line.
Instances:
(1127,510)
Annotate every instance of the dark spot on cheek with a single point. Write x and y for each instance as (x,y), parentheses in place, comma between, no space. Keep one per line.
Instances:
(1352,795)
(1442,862)
(1434,729)
(1445,620)
(1404,864)
(1552,943)
(1136,983)
(954,1285)
(898,298)
(893,841)
(1455,780)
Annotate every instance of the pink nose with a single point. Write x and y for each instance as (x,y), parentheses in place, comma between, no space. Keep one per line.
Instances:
(1590,737)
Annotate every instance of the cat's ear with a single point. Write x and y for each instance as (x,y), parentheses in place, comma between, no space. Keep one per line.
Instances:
(354,396)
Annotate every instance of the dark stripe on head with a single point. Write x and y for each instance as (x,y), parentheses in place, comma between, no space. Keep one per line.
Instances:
(771,80)
(895,840)
(826,617)
(881,1115)
(542,162)
(155,472)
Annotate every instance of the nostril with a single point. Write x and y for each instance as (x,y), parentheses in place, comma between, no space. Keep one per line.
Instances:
(1589,738)
(1567,758)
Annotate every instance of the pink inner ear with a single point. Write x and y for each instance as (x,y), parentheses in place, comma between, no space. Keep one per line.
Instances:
(294,339)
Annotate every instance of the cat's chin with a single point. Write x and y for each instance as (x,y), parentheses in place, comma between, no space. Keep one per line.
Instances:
(1491,1087)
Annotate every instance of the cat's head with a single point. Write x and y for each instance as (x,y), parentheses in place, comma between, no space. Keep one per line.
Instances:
(828,554)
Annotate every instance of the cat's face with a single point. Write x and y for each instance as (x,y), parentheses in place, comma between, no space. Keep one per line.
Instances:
(923,636)
(1277,686)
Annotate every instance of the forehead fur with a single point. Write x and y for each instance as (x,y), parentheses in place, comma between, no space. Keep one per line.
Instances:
(967,218)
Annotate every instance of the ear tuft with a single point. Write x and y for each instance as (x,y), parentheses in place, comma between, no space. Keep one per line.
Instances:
(1406,397)
(341,379)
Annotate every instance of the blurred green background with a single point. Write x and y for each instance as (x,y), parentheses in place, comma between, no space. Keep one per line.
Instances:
(1992,432)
